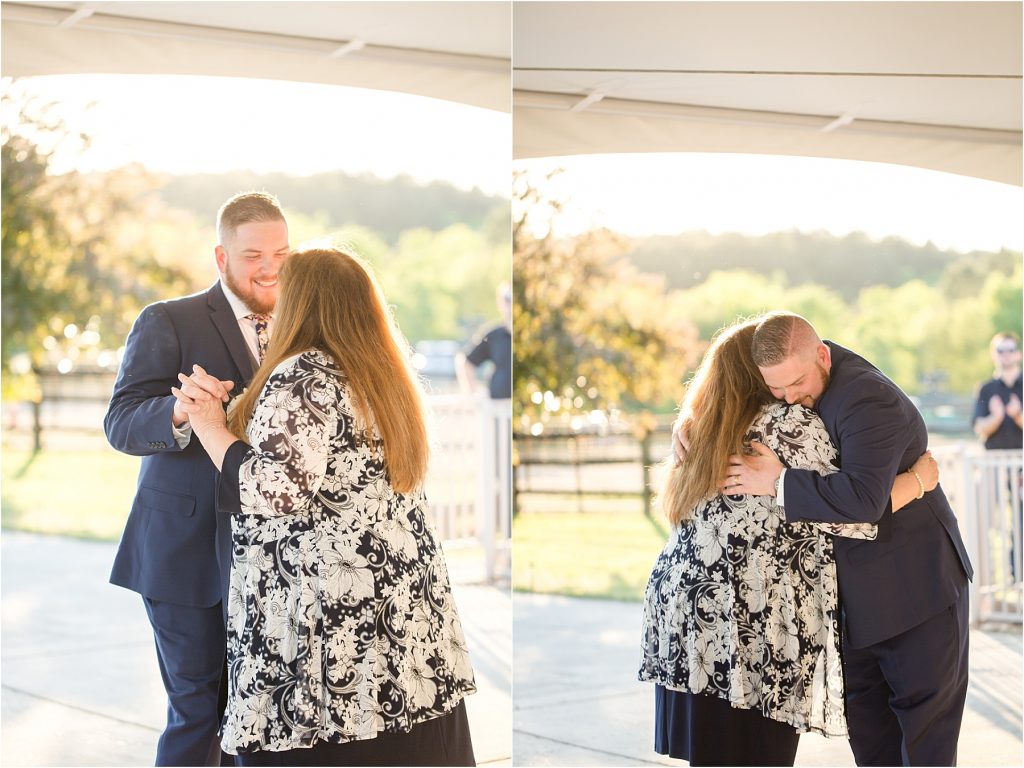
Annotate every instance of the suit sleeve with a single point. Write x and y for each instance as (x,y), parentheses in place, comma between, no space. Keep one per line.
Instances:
(800,440)
(872,436)
(138,418)
(281,472)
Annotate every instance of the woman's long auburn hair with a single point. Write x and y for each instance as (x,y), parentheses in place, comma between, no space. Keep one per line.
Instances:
(721,401)
(330,301)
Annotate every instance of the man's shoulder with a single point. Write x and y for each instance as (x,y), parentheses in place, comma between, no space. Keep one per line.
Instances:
(193,300)
(990,387)
(183,305)
(854,378)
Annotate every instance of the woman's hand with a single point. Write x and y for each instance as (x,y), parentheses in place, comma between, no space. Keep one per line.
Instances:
(927,468)
(204,409)
(906,487)
(203,404)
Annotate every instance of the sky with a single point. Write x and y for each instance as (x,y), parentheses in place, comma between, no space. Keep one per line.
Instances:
(646,194)
(195,124)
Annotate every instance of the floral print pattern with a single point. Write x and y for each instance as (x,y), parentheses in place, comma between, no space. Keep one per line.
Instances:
(742,605)
(341,623)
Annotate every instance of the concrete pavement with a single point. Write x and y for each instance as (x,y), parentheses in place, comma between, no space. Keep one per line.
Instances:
(578,702)
(80,683)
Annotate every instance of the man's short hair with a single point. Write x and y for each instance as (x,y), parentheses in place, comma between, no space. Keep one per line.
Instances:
(246,207)
(780,335)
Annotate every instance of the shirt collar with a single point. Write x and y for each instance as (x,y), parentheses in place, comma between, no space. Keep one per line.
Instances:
(237,305)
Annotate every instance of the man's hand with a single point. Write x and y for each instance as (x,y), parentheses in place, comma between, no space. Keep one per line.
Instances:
(680,442)
(1013,408)
(199,399)
(996,408)
(753,474)
(199,386)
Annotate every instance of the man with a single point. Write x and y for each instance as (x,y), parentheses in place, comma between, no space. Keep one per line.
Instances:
(997,413)
(494,345)
(997,422)
(168,552)
(905,594)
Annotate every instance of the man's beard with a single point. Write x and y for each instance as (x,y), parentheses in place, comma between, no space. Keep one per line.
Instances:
(826,377)
(247,296)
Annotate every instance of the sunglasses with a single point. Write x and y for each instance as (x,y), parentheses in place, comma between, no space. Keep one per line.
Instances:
(1005,350)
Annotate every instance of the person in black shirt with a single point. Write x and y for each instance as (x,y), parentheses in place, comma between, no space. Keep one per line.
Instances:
(494,345)
(997,421)
(997,413)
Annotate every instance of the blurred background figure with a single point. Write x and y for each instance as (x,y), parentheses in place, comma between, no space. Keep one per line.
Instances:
(492,345)
(997,413)
(997,422)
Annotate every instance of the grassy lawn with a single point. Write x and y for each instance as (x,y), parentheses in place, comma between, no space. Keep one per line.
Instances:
(85,493)
(591,554)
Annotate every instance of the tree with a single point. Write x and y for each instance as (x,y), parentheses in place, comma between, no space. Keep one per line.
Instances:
(589,330)
(74,253)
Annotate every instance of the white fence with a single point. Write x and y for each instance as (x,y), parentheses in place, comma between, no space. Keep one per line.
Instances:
(984,487)
(469,483)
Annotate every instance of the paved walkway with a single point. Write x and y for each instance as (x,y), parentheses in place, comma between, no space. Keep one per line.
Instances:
(577,700)
(80,684)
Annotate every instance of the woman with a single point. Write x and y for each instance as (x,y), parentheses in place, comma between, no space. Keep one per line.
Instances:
(344,646)
(741,631)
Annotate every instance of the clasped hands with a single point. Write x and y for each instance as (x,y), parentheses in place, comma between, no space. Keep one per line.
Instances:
(200,400)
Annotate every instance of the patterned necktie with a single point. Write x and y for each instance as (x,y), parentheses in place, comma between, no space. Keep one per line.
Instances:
(260,322)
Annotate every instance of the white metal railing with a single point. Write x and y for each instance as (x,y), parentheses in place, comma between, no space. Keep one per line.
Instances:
(984,488)
(469,482)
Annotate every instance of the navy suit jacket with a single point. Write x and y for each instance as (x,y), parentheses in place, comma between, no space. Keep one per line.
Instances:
(169,547)
(918,564)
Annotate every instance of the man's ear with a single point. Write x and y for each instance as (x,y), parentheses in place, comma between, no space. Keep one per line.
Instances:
(222,258)
(825,356)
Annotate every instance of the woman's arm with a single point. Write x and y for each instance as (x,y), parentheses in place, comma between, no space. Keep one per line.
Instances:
(293,422)
(907,488)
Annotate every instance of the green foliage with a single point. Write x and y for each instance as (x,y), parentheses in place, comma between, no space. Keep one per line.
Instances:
(924,316)
(388,207)
(589,330)
(847,264)
(442,284)
(75,249)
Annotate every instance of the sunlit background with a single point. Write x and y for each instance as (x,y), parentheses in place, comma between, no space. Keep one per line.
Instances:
(916,269)
(133,168)
(626,265)
(640,195)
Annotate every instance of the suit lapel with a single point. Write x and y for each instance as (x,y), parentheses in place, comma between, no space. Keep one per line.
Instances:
(227,325)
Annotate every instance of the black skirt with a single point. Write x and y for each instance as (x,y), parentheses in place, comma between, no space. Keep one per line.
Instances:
(706,730)
(443,740)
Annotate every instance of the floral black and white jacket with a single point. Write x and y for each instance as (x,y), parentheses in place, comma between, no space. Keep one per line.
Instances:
(341,623)
(742,605)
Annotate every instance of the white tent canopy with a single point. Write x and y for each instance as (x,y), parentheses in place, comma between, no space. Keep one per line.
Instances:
(459,51)
(930,84)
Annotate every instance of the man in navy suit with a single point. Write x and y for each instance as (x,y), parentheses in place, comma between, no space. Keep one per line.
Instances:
(904,595)
(169,551)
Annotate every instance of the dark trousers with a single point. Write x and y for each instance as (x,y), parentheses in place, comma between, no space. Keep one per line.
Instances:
(905,696)
(444,741)
(190,647)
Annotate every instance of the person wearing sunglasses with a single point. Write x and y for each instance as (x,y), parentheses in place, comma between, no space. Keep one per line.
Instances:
(997,412)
